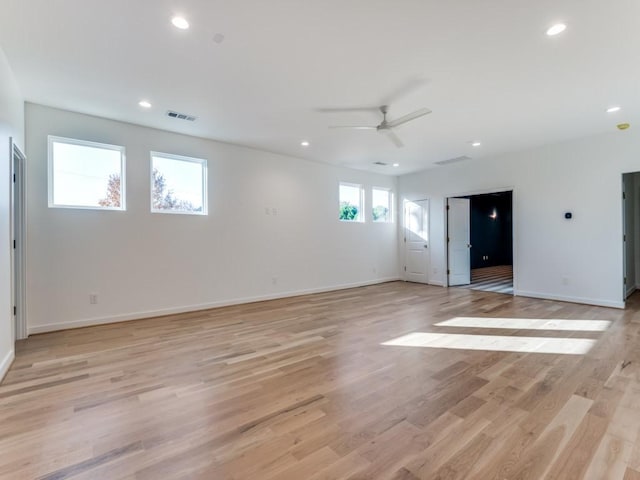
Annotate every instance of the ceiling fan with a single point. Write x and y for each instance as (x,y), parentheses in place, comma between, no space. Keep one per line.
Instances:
(387,126)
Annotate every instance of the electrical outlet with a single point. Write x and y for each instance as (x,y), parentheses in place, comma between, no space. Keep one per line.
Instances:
(274,280)
(93,298)
(274,211)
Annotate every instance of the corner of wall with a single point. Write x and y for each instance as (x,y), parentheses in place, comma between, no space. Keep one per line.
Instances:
(5,363)
(11,126)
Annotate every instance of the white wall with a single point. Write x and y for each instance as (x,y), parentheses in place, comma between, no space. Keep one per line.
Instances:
(11,125)
(142,264)
(582,176)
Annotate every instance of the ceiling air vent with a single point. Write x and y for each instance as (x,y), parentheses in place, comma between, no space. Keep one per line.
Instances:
(463,158)
(381,164)
(180,116)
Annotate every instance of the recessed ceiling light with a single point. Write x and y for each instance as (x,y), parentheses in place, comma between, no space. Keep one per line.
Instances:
(613,109)
(556,29)
(180,22)
(396,164)
(144,104)
(304,143)
(475,144)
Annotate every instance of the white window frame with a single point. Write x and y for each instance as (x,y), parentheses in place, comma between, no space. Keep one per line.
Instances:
(361,214)
(391,200)
(85,143)
(201,161)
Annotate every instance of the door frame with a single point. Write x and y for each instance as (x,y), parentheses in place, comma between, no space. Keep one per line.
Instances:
(625,273)
(514,229)
(627,291)
(18,231)
(404,236)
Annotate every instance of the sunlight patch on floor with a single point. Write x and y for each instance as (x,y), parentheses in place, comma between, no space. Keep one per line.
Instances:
(566,346)
(528,324)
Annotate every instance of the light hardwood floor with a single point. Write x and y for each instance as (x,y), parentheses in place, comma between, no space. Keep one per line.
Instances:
(303,389)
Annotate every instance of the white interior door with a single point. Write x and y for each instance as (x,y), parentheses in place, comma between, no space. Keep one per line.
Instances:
(416,241)
(18,241)
(459,241)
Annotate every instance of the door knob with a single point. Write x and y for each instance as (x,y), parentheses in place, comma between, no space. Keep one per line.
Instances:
(468,245)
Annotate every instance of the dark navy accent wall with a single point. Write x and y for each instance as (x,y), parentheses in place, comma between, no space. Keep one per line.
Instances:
(491,237)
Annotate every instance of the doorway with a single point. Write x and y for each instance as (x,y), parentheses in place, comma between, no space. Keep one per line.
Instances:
(18,240)
(480,241)
(630,233)
(416,240)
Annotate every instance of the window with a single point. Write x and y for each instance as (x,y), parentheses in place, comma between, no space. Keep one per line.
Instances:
(381,205)
(86,174)
(178,184)
(351,202)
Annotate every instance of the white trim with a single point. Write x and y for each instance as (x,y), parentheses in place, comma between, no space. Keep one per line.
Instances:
(204,187)
(51,139)
(51,327)
(361,208)
(6,362)
(567,298)
(390,201)
(445,213)
(484,191)
(437,283)
(629,291)
(514,233)
(403,235)
(515,262)
(19,236)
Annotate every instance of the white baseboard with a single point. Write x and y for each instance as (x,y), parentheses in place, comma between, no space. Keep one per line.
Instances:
(630,290)
(88,322)
(437,283)
(6,362)
(565,298)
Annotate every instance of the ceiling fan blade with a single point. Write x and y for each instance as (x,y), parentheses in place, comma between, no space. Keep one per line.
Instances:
(354,127)
(394,138)
(411,116)
(409,87)
(347,109)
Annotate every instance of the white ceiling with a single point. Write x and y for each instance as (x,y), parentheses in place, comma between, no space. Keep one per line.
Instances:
(485,68)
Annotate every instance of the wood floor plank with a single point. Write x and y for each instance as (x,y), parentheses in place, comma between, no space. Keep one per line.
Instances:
(578,454)
(631,474)
(610,460)
(303,388)
(543,453)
